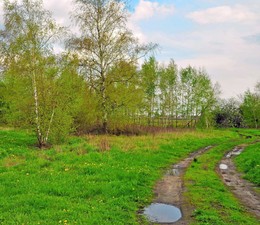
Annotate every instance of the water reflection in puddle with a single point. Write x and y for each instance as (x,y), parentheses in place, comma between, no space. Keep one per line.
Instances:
(236,151)
(223,166)
(175,171)
(162,213)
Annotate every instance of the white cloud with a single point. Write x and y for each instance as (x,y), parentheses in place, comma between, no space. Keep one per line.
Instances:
(147,9)
(1,13)
(230,52)
(223,51)
(137,31)
(228,58)
(61,11)
(222,14)
(235,77)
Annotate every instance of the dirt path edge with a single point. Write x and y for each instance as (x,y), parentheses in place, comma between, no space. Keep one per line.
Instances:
(242,189)
(170,189)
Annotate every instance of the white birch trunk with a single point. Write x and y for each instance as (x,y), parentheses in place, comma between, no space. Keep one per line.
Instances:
(49,127)
(36,104)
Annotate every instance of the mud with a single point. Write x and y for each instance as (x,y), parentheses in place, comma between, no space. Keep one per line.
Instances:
(169,190)
(242,189)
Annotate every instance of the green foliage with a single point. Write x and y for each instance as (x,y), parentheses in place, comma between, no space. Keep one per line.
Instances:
(173,95)
(198,96)
(104,46)
(76,183)
(3,105)
(228,114)
(149,77)
(251,107)
(40,92)
(248,162)
(86,118)
(98,86)
(169,88)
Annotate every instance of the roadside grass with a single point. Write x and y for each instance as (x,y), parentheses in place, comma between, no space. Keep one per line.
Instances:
(248,162)
(214,204)
(91,179)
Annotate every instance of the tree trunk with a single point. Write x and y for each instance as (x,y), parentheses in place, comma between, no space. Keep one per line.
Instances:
(37,119)
(48,131)
(104,106)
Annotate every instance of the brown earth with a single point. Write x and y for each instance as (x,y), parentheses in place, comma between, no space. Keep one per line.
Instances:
(169,190)
(242,189)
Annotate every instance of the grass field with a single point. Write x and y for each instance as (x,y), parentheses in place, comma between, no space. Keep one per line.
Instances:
(92,179)
(249,163)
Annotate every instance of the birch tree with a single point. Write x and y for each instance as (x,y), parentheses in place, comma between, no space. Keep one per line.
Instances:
(2,102)
(149,78)
(169,91)
(104,42)
(204,98)
(198,96)
(251,107)
(187,77)
(30,68)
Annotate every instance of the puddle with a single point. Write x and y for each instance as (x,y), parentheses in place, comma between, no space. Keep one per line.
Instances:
(236,151)
(223,166)
(169,190)
(162,213)
(175,171)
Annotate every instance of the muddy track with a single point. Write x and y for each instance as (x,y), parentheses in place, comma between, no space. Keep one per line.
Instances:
(242,189)
(169,190)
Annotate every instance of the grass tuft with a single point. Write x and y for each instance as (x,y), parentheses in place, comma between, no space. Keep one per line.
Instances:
(248,162)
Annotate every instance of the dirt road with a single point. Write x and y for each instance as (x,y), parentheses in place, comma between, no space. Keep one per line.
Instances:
(169,190)
(242,189)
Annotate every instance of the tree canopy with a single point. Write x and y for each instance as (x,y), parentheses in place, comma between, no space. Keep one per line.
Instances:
(97,84)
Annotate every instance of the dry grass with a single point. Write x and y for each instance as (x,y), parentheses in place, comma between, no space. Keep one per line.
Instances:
(13,161)
(150,141)
(104,145)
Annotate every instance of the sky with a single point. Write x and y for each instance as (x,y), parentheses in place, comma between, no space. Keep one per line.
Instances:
(221,36)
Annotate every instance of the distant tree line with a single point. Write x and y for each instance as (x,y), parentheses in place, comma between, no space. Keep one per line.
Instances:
(241,112)
(96,83)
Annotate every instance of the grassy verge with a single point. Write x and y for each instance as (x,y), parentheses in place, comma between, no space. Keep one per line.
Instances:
(248,162)
(88,180)
(213,202)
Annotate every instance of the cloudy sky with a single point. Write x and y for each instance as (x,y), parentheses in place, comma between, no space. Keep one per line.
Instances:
(222,36)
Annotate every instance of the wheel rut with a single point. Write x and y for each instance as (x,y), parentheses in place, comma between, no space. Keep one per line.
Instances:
(242,189)
(169,190)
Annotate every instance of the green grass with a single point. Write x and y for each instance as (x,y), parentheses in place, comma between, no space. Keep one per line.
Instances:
(88,180)
(213,202)
(248,162)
